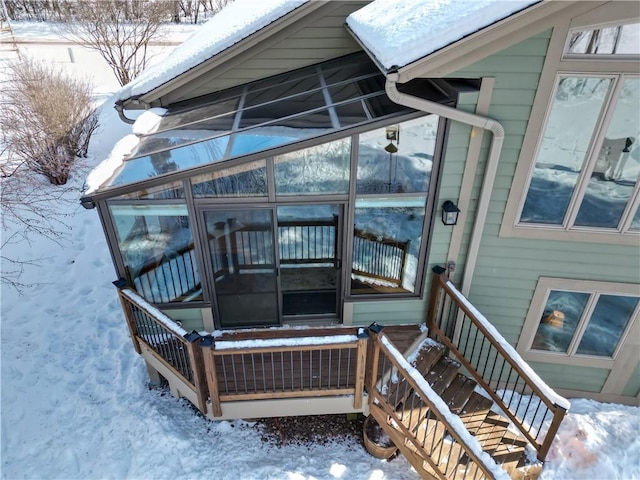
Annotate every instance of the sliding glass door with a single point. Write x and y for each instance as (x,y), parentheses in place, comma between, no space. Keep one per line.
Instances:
(309,239)
(243,262)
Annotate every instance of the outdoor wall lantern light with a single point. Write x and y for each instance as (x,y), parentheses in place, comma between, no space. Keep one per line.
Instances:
(450,213)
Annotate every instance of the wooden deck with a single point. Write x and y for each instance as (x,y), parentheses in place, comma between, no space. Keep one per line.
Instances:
(306,371)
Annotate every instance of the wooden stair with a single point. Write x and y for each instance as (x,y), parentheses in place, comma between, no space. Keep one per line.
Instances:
(491,429)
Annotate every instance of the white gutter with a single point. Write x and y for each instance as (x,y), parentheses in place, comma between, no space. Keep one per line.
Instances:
(490,170)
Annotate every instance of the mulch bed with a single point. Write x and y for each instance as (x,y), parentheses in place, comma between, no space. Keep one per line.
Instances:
(312,429)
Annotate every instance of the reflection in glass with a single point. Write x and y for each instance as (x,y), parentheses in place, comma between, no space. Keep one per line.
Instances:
(246,180)
(400,165)
(179,158)
(157,248)
(615,40)
(616,170)
(386,244)
(323,169)
(273,112)
(244,271)
(283,108)
(178,137)
(559,321)
(575,111)
(180,119)
(167,191)
(608,322)
(635,223)
(308,238)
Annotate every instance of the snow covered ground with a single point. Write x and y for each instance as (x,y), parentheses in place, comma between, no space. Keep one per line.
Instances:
(75,404)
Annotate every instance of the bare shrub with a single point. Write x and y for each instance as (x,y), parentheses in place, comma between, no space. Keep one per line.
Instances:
(30,209)
(120,30)
(47,118)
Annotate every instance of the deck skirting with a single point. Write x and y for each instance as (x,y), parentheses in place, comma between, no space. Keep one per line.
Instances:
(286,407)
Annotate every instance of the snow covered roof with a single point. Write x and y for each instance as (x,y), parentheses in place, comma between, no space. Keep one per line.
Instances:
(232,24)
(399,33)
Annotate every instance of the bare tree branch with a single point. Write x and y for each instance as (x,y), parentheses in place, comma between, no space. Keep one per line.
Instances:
(119,30)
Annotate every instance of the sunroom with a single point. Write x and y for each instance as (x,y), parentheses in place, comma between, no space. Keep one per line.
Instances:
(277,201)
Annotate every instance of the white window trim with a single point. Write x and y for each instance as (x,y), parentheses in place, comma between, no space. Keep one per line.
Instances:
(544,287)
(554,66)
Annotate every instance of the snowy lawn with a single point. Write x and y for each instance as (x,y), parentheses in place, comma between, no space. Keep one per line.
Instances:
(75,404)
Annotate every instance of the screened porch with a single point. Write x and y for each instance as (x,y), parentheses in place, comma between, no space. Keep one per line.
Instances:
(277,201)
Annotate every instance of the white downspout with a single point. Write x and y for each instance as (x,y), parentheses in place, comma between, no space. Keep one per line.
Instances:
(490,170)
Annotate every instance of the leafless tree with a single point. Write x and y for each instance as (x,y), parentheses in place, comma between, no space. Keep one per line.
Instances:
(29,209)
(47,118)
(120,30)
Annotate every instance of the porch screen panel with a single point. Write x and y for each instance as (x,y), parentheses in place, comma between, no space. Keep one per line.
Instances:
(157,248)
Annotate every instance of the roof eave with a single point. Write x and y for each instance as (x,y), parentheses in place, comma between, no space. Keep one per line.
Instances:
(484,42)
(148,98)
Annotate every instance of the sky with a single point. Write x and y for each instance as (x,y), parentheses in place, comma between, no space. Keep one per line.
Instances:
(74,397)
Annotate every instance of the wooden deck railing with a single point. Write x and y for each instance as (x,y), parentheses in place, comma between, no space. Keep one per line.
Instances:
(379,258)
(494,364)
(434,441)
(169,344)
(286,364)
(170,278)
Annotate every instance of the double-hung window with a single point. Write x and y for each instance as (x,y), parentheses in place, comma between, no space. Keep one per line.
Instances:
(583,177)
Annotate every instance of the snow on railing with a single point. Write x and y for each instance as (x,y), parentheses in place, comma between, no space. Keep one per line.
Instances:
(428,423)
(278,366)
(494,364)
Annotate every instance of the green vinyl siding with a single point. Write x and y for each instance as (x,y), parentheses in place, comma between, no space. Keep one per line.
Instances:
(565,377)
(389,313)
(318,37)
(507,269)
(189,318)
(633,385)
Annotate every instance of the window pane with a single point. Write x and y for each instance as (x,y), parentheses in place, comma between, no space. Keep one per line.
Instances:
(382,169)
(317,170)
(635,223)
(157,248)
(281,132)
(559,320)
(608,321)
(182,135)
(247,180)
(168,191)
(617,40)
(575,111)
(197,114)
(616,170)
(143,168)
(386,244)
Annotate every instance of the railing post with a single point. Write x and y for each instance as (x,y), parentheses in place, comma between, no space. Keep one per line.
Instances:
(361,366)
(212,377)
(373,353)
(432,310)
(121,284)
(558,415)
(197,369)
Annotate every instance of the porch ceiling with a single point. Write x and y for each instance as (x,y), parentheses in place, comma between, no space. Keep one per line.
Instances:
(262,116)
